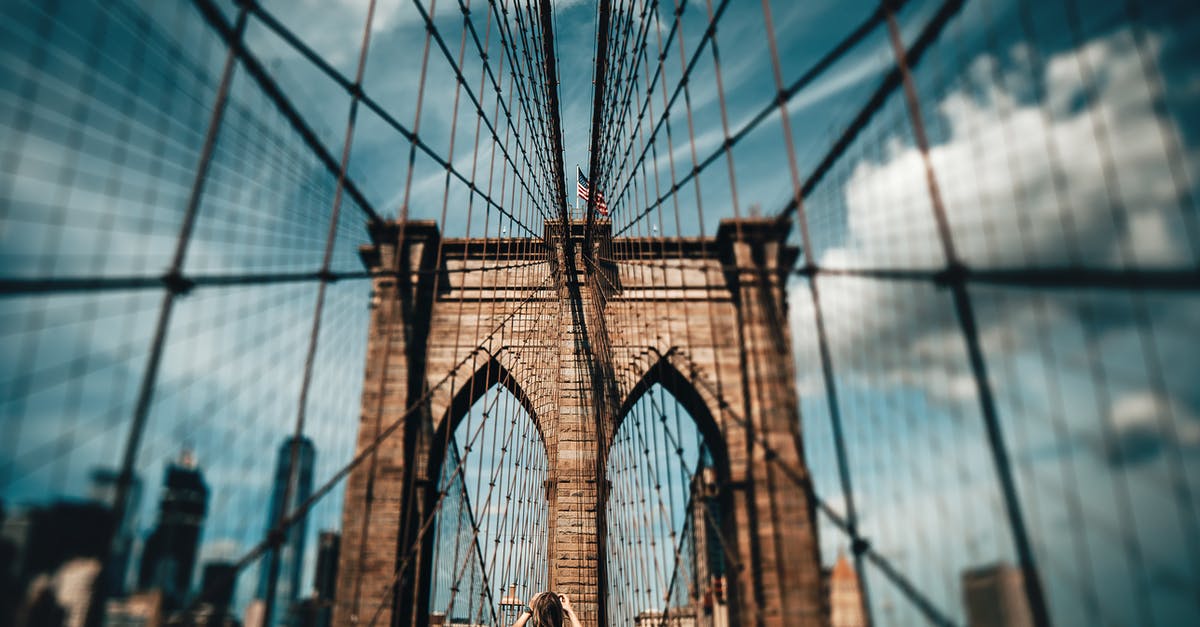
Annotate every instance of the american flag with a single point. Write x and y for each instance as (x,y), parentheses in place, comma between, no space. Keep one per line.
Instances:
(601,206)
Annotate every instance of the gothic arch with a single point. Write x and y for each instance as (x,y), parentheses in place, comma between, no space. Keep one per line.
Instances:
(578,377)
(664,373)
(490,373)
(475,386)
(701,408)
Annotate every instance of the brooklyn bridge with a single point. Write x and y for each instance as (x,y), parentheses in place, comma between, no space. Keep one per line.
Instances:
(697,314)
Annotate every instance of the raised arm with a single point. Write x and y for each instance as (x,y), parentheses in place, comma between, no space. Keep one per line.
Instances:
(566,603)
(526,615)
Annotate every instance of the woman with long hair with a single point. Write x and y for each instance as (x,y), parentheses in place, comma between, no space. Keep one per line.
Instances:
(548,609)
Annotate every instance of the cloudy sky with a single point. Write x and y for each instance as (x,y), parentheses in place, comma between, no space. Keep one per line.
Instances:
(1060,135)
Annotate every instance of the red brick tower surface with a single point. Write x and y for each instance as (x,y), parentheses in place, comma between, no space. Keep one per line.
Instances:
(718,341)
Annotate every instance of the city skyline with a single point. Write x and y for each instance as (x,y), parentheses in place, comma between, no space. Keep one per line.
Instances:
(168,558)
(155,548)
(969,229)
(292,486)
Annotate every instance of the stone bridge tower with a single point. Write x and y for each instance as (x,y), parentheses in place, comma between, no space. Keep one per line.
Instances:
(715,309)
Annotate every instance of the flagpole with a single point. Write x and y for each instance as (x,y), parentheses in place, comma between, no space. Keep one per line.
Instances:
(577,171)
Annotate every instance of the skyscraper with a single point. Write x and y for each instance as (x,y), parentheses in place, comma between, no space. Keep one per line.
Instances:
(511,606)
(291,553)
(43,549)
(105,482)
(325,579)
(217,584)
(712,609)
(317,610)
(845,596)
(994,596)
(141,609)
(75,585)
(170,554)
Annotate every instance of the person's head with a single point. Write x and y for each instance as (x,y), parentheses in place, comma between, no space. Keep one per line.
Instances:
(547,610)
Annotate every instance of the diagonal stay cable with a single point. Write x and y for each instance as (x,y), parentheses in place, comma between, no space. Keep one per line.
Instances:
(933,29)
(709,33)
(521,69)
(216,19)
(619,120)
(598,97)
(619,60)
(907,588)
(275,535)
(462,81)
(537,45)
(495,82)
(530,27)
(404,559)
(653,82)
(531,74)
(631,86)
(352,87)
(817,70)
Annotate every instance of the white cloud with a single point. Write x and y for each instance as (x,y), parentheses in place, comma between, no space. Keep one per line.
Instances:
(998,183)
(1004,211)
(1088,400)
(220,549)
(334,28)
(1144,422)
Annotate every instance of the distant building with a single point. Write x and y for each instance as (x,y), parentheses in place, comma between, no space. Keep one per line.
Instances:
(60,532)
(253,616)
(52,562)
(217,584)
(511,606)
(40,605)
(712,605)
(329,546)
(14,538)
(141,609)
(994,596)
(76,585)
(438,619)
(201,615)
(290,554)
(845,596)
(170,553)
(674,617)
(65,598)
(105,484)
(318,610)
(211,607)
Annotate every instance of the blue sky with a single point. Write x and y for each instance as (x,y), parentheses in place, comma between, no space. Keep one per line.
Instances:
(102,111)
